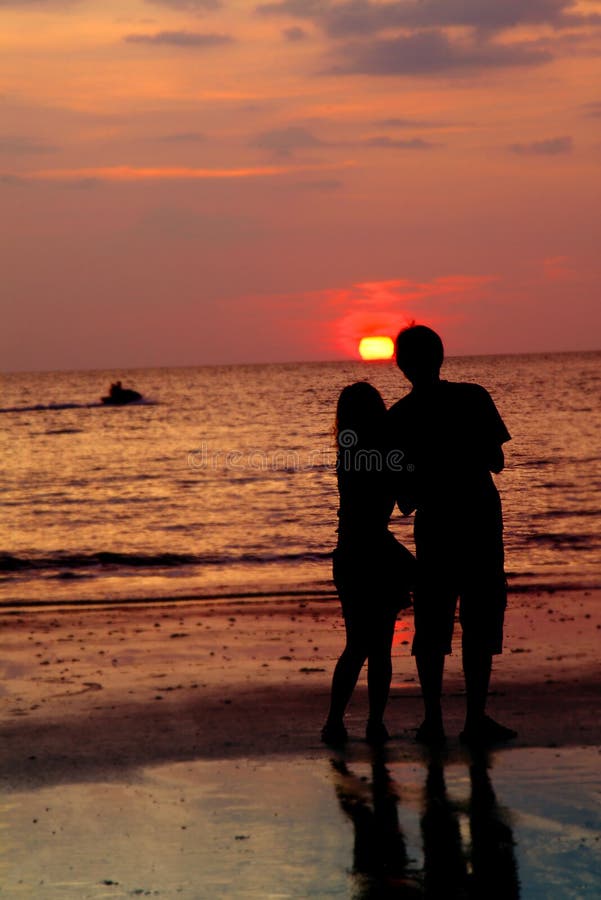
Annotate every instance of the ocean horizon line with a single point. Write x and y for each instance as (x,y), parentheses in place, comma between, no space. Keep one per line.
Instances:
(307,362)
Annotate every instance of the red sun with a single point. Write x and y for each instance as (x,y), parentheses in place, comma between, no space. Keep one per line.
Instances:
(376,347)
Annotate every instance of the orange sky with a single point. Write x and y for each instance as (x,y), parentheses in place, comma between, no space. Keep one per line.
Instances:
(206,181)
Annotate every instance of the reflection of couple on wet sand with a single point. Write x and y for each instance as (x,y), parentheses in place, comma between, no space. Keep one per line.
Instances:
(485,867)
(433,453)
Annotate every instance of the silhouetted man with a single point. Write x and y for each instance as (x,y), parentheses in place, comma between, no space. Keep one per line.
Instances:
(451,437)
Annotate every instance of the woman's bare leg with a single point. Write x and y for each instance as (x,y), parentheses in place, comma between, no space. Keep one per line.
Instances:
(379,672)
(345,675)
(344,680)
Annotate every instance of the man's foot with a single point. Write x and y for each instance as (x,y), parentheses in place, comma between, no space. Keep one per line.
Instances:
(430,733)
(486,731)
(334,734)
(376,733)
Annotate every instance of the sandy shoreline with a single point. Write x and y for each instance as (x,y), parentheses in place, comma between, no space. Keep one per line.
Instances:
(103,691)
(174,751)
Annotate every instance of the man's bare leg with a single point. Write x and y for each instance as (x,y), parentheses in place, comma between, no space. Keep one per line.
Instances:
(430,667)
(480,728)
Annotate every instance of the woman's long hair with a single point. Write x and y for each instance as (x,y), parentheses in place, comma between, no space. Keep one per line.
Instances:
(359,416)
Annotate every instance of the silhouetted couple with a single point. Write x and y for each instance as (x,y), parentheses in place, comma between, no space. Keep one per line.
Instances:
(433,453)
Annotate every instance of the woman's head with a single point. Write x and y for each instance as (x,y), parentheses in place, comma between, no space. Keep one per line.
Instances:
(360,412)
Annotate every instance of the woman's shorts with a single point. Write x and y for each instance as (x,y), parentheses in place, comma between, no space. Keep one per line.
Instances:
(372,585)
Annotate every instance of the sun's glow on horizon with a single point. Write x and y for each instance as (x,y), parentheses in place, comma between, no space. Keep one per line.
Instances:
(376,347)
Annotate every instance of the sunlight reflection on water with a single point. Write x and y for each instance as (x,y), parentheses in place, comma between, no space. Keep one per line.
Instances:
(231,472)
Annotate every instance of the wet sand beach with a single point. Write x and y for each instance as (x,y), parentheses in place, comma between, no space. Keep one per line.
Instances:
(173,750)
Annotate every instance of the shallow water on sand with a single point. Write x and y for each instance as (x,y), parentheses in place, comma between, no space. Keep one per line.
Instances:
(350,827)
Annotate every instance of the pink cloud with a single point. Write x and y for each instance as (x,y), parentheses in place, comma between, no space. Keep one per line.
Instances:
(164,173)
(384,307)
(557,268)
(335,319)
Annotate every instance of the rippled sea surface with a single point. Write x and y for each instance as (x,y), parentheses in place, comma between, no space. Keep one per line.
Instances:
(222,480)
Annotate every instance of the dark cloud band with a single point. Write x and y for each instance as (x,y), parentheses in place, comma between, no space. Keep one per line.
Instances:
(364,17)
(431,52)
(550,147)
(180,39)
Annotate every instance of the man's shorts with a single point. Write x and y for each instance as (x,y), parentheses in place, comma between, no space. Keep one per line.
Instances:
(459,560)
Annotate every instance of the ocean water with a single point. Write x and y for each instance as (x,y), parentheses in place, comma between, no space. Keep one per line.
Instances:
(222,481)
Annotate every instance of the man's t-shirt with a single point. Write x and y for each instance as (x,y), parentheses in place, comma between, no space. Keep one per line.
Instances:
(448,434)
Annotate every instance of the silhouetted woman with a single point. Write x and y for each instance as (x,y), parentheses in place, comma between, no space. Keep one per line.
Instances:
(372,571)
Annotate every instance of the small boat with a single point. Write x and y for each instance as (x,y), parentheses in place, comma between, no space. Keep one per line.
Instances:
(120,396)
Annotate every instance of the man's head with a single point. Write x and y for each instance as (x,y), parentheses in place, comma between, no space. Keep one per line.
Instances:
(419,354)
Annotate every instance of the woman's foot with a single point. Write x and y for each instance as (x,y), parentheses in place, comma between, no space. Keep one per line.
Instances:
(376,733)
(334,733)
